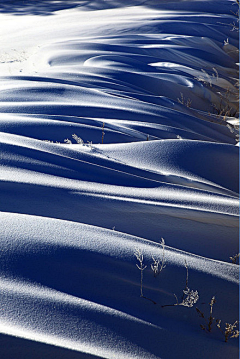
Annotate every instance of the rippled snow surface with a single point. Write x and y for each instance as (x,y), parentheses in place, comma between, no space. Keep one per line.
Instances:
(108,143)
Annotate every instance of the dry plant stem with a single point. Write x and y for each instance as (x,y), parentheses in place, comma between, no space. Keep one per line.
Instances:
(76,138)
(103,133)
(155,265)
(182,101)
(211,318)
(230,331)
(235,258)
(163,256)
(149,299)
(186,286)
(206,78)
(171,305)
(209,321)
(141,267)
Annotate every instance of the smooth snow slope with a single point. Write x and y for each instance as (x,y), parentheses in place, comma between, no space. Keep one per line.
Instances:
(108,143)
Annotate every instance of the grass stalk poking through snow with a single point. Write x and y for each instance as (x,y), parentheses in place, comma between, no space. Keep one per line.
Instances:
(141,267)
(229,331)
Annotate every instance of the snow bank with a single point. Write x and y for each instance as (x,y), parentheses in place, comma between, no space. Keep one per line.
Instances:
(111,138)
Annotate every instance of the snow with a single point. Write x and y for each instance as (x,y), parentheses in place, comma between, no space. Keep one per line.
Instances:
(139,83)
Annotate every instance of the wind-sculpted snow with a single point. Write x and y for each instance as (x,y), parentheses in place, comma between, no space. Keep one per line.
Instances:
(116,130)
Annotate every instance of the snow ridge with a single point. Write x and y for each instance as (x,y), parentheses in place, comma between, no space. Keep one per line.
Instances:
(108,143)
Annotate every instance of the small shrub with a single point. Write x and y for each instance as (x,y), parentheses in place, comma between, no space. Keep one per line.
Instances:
(189,297)
(235,258)
(183,101)
(77,139)
(229,331)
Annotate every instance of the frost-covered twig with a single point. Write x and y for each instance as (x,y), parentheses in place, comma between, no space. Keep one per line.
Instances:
(77,139)
(141,267)
(229,331)
(235,258)
(157,266)
(189,297)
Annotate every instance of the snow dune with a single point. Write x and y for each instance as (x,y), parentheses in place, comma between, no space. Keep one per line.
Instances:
(110,140)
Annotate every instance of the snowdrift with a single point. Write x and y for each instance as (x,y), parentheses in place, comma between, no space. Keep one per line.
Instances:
(116,131)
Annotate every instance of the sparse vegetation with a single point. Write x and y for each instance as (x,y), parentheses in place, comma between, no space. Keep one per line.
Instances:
(208,321)
(141,267)
(208,79)
(226,108)
(183,101)
(76,138)
(229,331)
(235,258)
(189,297)
(157,266)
